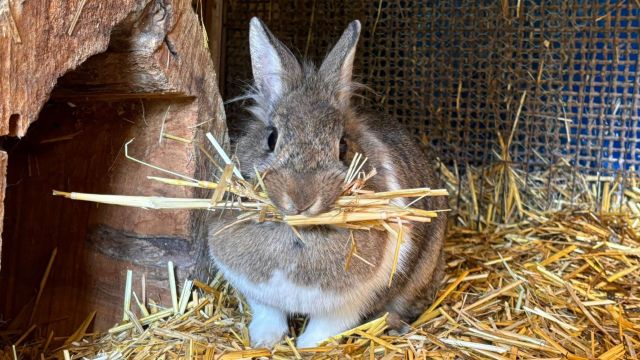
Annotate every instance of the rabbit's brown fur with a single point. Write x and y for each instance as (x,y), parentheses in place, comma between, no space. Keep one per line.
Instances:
(281,274)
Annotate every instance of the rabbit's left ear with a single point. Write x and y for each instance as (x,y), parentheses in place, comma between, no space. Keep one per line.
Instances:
(337,67)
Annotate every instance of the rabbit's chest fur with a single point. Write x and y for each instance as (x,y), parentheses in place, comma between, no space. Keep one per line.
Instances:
(281,292)
(305,278)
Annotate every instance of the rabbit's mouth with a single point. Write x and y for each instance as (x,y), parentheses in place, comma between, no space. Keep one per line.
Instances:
(308,207)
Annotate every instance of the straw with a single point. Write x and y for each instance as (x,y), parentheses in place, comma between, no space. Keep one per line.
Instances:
(172,287)
(76,16)
(475,315)
(127,295)
(43,283)
(223,154)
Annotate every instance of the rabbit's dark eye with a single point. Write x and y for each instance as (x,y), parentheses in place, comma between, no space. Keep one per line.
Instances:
(343,148)
(272,139)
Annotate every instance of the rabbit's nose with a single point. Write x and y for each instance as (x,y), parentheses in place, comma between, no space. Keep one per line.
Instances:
(299,206)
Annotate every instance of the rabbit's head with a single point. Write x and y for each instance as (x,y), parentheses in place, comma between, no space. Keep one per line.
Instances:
(297,138)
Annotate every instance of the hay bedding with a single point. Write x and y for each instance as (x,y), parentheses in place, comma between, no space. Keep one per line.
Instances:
(565,288)
(535,282)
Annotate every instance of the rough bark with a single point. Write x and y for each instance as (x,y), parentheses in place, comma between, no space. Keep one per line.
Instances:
(127,70)
(43,45)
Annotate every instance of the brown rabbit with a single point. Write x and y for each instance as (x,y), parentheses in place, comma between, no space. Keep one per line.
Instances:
(303,137)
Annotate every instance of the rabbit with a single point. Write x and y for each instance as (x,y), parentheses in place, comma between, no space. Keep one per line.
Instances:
(302,134)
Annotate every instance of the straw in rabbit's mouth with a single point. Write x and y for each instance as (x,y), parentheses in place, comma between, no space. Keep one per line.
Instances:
(355,209)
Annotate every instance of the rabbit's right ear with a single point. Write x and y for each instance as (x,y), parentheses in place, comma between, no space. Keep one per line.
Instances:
(338,65)
(271,61)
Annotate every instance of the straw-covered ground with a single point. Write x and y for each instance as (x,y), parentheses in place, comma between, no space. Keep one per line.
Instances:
(563,288)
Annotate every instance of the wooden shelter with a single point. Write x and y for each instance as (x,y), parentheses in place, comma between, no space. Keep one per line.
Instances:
(79,79)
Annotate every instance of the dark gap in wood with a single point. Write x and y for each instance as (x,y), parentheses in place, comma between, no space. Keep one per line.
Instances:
(14,124)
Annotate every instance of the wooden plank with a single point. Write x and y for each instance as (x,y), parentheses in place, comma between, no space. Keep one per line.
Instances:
(213,21)
(3,185)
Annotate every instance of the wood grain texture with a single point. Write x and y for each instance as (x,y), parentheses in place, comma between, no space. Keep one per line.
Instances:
(3,185)
(46,51)
(129,69)
(213,13)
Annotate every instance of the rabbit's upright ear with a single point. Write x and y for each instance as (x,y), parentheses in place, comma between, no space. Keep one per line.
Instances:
(271,61)
(337,67)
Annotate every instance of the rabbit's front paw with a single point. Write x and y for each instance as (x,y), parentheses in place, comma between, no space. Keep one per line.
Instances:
(311,339)
(268,326)
(321,327)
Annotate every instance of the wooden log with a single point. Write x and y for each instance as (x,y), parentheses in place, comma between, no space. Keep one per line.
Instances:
(126,70)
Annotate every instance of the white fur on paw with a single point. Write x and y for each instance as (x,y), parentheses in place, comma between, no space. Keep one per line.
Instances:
(323,326)
(310,339)
(266,334)
(268,325)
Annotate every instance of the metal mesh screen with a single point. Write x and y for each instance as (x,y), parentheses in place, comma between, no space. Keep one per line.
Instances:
(558,77)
